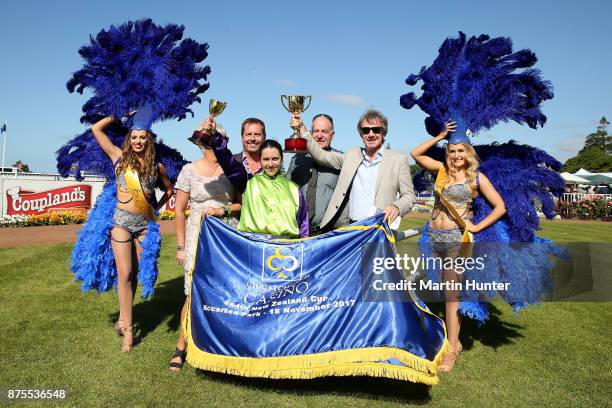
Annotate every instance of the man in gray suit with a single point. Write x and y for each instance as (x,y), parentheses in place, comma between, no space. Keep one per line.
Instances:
(317,182)
(370,176)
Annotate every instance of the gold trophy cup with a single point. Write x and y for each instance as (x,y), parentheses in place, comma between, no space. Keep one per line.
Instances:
(215,107)
(295,104)
(201,137)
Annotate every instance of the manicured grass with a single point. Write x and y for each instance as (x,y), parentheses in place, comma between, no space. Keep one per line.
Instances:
(556,354)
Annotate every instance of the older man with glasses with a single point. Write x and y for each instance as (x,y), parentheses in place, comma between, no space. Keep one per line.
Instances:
(372,178)
(317,182)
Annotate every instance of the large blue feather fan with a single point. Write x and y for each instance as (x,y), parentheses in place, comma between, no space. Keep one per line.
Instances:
(129,66)
(523,175)
(481,82)
(140,63)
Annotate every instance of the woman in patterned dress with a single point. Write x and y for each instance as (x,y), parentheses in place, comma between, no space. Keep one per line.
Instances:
(208,192)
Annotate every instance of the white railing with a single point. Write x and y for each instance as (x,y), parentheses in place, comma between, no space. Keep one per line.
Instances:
(573,197)
(15,174)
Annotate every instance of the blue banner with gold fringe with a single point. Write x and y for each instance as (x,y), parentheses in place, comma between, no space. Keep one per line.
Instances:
(294,308)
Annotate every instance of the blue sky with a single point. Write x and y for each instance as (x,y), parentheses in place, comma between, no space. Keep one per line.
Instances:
(349,55)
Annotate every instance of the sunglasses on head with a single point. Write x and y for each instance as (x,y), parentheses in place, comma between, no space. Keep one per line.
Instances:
(377,130)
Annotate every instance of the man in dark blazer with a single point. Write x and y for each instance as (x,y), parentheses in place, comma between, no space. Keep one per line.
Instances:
(317,182)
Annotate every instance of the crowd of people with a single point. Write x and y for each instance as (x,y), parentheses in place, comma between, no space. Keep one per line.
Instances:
(323,189)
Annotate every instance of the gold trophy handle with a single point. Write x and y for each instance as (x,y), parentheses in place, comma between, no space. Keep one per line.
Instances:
(283,98)
(309,100)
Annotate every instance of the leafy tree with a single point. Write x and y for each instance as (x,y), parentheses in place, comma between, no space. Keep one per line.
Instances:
(596,139)
(595,154)
(593,159)
(600,138)
(603,124)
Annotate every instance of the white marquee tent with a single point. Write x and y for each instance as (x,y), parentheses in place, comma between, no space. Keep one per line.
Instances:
(574,179)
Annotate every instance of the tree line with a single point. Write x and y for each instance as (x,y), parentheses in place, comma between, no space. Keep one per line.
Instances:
(596,154)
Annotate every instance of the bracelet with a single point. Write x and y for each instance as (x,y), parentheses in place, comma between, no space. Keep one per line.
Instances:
(227,211)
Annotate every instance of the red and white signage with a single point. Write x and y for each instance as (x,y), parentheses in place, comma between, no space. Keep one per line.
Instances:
(21,202)
(171,204)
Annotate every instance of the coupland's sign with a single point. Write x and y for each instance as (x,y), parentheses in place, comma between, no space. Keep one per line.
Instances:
(27,202)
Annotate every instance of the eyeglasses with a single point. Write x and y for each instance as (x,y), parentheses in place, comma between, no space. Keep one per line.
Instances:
(377,130)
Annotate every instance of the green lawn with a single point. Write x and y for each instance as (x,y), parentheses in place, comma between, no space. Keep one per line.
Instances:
(556,354)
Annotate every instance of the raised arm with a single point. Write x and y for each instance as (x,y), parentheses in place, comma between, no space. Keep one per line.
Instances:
(108,147)
(323,157)
(419,153)
(233,169)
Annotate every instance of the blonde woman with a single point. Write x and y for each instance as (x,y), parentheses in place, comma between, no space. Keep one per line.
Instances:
(458,183)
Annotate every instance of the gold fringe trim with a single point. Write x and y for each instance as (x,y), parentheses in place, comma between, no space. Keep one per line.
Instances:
(352,362)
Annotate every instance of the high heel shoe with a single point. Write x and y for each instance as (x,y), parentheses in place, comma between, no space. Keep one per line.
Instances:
(450,358)
(118,326)
(459,348)
(128,338)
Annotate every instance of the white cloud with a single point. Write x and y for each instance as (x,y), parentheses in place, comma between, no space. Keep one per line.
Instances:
(345,99)
(286,83)
(571,144)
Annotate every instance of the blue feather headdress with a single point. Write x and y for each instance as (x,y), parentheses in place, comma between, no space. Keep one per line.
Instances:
(140,63)
(478,82)
(135,66)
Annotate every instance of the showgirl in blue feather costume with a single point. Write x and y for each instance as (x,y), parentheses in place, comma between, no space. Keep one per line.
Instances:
(142,68)
(485,194)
